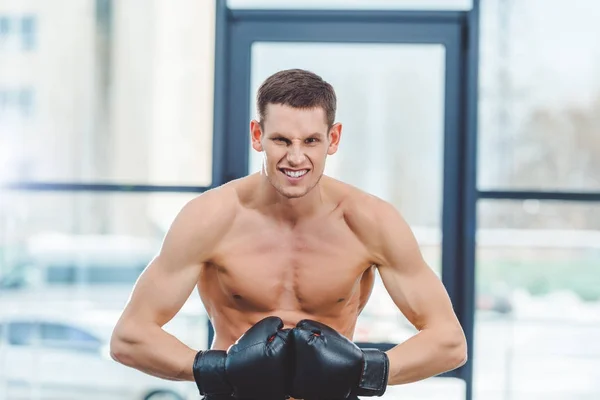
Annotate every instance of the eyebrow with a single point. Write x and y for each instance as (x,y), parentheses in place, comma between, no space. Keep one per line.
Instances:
(309,136)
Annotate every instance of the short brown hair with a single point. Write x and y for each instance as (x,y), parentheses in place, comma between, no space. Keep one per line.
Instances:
(299,89)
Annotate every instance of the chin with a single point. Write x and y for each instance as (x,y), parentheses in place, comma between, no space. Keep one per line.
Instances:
(292,193)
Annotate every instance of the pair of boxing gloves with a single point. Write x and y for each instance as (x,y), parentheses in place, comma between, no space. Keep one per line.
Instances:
(310,361)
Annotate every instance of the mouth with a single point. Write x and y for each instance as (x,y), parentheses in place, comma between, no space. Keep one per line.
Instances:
(294,175)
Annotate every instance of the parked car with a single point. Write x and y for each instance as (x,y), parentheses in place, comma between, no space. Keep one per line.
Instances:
(57,354)
(59,260)
(58,306)
(90,270)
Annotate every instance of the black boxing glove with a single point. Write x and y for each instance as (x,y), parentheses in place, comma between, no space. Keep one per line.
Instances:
(330,366)
(256,366)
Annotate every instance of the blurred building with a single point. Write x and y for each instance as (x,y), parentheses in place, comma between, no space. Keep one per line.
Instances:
(105,91)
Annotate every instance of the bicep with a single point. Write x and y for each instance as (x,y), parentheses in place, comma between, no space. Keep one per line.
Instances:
(162,289)
(412,284)
(419,294)
(167,282)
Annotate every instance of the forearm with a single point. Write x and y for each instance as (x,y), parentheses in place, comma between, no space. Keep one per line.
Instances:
(430,352)
(152,350)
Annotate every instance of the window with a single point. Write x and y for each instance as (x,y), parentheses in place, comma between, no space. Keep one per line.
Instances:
(61,275)
(105,115)
(26,99)
(106,119)
(353,4)
(83,238)
(16,100)
(94,274)
(539,95)
(64,336)
(4,27)
(538,287)
(538,280)
(55,335)
(19,276)
(64,333)
(31,276)
(18,32)
(5,99)
(28,32)
(22,333)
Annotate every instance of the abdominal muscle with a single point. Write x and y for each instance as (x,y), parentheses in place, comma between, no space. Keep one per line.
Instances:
(229,325)
(234,303)
(232,315)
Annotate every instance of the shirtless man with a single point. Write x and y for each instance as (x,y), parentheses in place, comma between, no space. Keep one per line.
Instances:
(284,261)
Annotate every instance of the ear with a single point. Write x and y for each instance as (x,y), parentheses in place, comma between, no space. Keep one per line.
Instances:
(256,135)
(335,134)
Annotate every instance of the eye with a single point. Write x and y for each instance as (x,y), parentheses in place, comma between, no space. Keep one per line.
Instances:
(280,140)
(312,140)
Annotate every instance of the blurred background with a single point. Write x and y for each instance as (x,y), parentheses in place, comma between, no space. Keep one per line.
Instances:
(106,130)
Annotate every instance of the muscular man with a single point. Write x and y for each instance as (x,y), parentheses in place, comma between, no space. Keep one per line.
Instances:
(284,261)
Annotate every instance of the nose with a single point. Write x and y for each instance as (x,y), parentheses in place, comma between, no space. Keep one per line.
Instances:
(295,155)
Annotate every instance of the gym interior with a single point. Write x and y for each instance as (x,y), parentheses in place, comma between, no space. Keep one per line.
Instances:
(477,119)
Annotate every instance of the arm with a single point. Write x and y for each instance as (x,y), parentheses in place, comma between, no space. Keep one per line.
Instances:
(440,344)
(138,339)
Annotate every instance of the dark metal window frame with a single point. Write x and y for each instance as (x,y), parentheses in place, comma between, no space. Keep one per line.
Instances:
(237,29)
(539,195)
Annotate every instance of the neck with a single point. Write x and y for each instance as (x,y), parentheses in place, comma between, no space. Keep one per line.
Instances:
(289,210)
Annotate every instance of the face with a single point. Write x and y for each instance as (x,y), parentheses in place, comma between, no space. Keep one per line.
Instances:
(295,144)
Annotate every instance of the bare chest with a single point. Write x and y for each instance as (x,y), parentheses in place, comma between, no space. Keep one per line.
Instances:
(318,268)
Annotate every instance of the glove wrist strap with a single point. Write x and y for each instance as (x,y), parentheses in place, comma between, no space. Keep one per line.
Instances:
(374,378)
(209,373)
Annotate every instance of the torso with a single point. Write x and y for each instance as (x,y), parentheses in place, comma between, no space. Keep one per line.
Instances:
(318,269)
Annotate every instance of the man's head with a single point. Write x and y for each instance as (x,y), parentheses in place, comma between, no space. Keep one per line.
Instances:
(295,129)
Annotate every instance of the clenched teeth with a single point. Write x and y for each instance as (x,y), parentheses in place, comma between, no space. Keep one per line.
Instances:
(295,174)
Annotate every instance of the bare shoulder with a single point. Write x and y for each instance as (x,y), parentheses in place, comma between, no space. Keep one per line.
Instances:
(363,210)
(373,220)
(213,208)
(202,222)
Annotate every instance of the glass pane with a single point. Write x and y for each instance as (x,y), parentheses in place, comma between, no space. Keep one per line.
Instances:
(538,314)
(127,99)
(81,239)
(68,261)
(22,333)
(539,95)
(391,105)
(353,4)
(60,336)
